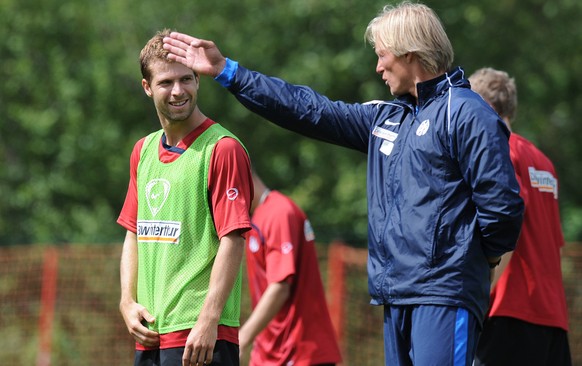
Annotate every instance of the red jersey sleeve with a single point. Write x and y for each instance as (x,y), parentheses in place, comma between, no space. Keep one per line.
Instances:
(284,241)
(230,187)
(128,216)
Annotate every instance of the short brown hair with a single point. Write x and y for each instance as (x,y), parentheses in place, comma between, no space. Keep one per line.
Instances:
(498,89)
(153,51)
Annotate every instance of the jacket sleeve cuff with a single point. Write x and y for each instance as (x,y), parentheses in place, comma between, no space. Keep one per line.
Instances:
(227,75)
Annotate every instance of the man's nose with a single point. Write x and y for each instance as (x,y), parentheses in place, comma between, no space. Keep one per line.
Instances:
(177,88)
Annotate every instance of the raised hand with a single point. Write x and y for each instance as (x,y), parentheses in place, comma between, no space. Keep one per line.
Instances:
(202,56)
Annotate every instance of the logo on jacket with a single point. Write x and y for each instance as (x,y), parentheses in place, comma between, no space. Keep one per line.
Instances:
(390,123)
(157,191)
(384,134)
(388,138)
(423,128)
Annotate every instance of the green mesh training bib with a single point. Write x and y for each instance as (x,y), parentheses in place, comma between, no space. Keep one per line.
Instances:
(177,240)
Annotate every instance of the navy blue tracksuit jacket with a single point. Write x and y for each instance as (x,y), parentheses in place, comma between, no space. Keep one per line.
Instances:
(442,192)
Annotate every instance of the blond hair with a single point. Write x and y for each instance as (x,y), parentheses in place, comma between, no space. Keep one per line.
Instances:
(415,28)
(498,89)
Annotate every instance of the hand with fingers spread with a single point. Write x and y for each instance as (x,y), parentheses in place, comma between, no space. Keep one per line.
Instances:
(202,56)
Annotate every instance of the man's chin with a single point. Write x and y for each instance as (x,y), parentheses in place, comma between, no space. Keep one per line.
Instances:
(178,117)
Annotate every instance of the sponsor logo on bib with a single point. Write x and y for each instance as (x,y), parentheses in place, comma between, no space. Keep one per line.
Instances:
(150,231)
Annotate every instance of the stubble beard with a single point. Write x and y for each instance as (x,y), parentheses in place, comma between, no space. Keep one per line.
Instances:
(176,117)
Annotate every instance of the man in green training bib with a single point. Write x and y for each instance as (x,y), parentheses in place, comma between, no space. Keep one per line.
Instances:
(187,205)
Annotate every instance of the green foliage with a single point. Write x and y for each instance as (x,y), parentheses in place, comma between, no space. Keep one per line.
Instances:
(73,107)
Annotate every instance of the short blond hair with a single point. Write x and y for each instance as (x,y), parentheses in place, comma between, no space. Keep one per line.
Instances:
(498,89)
(415,28)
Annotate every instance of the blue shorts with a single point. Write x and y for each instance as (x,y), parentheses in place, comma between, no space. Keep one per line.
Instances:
(423,335)
(225,354)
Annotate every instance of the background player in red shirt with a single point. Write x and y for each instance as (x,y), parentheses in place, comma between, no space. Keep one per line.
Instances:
(527,322)
(290,324)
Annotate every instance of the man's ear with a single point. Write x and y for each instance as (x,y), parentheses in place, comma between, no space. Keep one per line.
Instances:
(409,56)
(146,87)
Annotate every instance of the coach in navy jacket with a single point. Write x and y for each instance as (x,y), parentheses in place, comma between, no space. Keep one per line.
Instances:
(442,194)
(443,200)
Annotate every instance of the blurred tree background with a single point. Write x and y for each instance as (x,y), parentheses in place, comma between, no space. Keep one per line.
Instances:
(72,105)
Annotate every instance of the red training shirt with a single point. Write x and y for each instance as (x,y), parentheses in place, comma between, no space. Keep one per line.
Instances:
(531,288)
(281,247)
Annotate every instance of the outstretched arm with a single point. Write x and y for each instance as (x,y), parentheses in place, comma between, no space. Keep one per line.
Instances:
(296,108)
(202,56)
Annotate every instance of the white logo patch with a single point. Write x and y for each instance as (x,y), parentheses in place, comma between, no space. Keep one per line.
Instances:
(232,194)
(386,147)
(423,128)
(390,123)
(150,231)
(253,244)
(544,181)
(157,191)
(286,247)
(384,134)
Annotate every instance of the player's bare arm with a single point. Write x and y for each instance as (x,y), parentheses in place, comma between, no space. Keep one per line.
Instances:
(200,344)
(133,313)
(268,306)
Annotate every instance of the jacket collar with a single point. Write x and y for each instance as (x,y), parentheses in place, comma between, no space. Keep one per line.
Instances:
(434,87)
